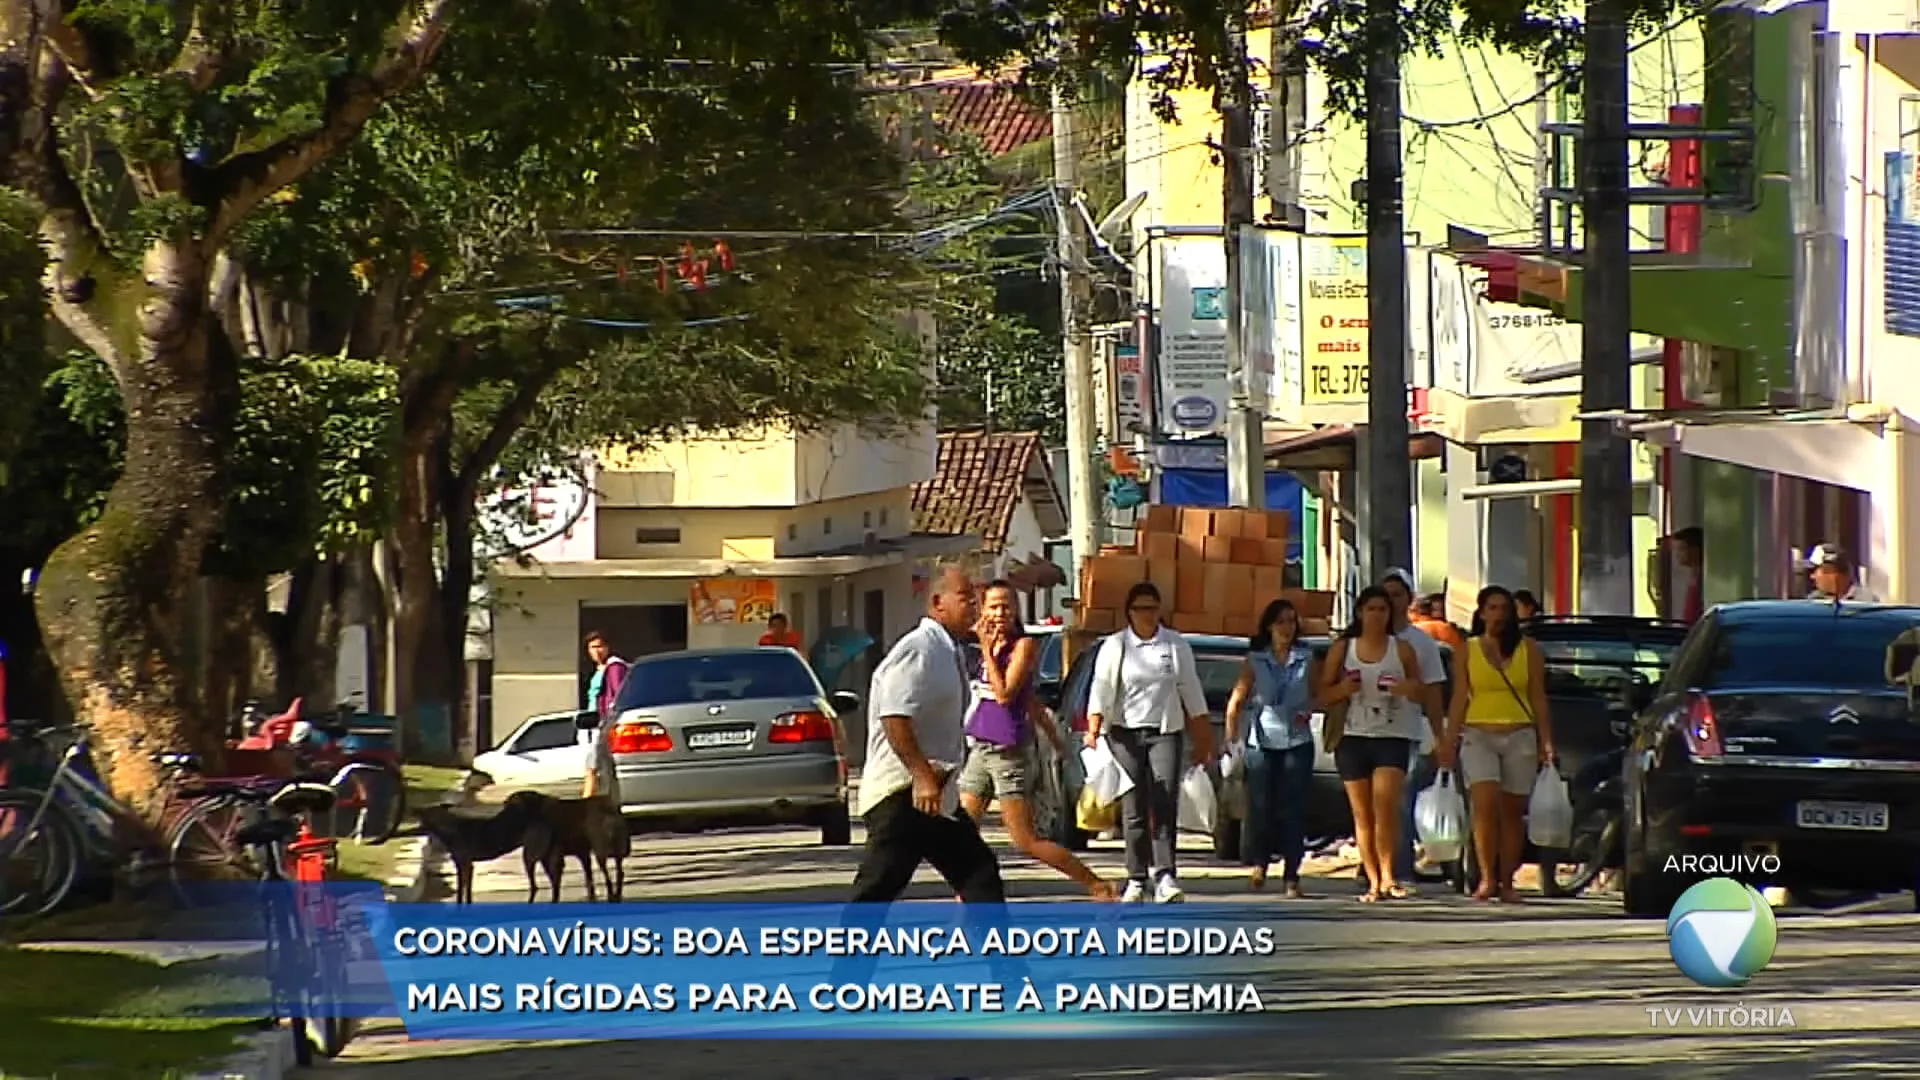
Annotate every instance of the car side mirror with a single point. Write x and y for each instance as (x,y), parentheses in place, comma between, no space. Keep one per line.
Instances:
(844,701)
(586,721)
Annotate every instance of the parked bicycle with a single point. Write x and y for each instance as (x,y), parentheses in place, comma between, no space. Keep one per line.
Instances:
(348,750)
(50,833)
(306,948)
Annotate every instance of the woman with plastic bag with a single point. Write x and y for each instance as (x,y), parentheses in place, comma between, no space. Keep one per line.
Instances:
(1499,733)
(1146,700)
(1276,687)
(1000,737)
(1376,676)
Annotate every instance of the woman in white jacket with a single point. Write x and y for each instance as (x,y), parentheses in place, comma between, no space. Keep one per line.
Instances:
(1146,697)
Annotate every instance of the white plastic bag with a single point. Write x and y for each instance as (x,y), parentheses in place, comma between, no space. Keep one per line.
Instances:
(1105,778)
(1550,811)
(1233,785)
(1198,805)
(1440,819)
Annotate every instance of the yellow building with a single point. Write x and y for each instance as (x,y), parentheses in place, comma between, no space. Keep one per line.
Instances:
(693,543)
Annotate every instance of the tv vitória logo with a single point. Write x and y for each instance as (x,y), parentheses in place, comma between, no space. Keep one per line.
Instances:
(1721,932)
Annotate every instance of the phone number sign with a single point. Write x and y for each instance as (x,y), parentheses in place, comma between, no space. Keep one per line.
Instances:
(1333,309)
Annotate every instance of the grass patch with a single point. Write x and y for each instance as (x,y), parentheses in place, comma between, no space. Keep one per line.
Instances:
(98,1016)
(428,784)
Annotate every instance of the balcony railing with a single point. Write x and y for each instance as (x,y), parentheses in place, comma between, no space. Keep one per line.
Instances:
(1730,186)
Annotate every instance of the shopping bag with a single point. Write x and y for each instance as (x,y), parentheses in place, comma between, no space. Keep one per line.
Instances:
(1440,819)
(1233,785)
(1092,815)
(1105,778)
(1199,806)
(1550,811)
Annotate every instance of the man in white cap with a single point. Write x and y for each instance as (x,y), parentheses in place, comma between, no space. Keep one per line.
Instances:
(1834,577)
(1420,771)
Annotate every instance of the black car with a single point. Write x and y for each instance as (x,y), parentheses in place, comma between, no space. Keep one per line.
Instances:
(1783,741)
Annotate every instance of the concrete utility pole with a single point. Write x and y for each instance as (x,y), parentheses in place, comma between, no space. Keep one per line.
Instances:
(1246,445)
(1606,351)
(1388,475)
(1286,113)
(1076,304)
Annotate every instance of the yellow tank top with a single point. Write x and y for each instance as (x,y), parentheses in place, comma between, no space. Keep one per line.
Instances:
(1493,704)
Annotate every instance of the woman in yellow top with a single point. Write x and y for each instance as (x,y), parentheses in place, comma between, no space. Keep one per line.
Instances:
(1499,731)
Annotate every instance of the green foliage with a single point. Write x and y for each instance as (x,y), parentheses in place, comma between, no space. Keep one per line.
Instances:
(24,360)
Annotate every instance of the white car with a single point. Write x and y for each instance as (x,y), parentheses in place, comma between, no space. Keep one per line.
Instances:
(546,754)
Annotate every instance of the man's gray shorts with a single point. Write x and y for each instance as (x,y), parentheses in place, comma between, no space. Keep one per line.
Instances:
(996,772)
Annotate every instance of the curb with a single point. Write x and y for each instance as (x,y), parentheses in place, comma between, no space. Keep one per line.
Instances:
(410,886)
(266,1056)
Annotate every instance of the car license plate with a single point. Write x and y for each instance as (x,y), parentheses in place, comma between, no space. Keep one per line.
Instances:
(712,738)
(1850,816)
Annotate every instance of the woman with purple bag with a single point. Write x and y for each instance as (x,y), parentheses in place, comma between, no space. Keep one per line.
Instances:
(1000,737)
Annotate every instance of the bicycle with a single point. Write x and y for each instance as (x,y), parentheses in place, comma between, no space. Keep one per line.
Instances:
(360,762)
(47,834)
(306,955)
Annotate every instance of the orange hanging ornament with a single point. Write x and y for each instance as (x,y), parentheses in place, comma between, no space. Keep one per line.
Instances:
(699,275)
(419,266)
(686,259)
(725,254)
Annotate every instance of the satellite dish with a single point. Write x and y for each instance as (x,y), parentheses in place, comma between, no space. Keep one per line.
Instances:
(1119,217)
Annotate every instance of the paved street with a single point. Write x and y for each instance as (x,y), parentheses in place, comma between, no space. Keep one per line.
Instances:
(1555,988)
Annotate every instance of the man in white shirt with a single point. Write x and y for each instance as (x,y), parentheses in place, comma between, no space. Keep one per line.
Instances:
(1426,651)
(915,747)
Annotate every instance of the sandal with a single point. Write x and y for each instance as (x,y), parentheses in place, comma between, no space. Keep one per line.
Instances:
(1483,894)
(1399,892)
(1257,880)
(1293,891)
(1103,892)
(1510,895)
(1370,897)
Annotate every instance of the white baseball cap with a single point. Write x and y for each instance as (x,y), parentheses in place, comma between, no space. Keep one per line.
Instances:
(1828,555)
(1401,576)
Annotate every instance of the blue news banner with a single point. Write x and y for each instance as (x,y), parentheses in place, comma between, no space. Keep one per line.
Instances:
(835,971)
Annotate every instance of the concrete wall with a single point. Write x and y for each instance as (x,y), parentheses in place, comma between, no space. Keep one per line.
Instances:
(770,467)
(750,533)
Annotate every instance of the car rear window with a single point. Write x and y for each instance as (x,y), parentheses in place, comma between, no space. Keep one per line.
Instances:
(741,676)
(1218,673)
(1843,651)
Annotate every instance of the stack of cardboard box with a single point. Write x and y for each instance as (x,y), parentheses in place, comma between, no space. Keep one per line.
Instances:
(1215,569)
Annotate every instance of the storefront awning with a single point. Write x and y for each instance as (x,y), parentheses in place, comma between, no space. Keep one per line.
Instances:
(1331,449)
(885,553)
(1815,446)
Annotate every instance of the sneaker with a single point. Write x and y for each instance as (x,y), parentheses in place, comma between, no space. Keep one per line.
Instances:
(1136,893)
(1167,891)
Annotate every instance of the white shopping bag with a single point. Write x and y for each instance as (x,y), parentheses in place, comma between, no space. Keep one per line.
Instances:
(1550,811)
(1440,819)
(1198,805)
(1105,778)
(1233,785)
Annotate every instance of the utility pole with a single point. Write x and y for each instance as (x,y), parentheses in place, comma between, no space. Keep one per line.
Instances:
(1606,360)
(1246,444)
(1388,475)
(1286,113)
(1076,304)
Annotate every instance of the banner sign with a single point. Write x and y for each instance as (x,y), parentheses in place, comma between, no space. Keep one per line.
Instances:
(1485,348)
(1334,320)
(733,601)
(1192,359)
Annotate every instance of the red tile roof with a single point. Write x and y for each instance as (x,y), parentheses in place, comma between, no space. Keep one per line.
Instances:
(978,482)
(995,114)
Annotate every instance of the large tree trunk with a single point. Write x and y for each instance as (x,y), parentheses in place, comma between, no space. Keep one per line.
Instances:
(423,680)
(456,600)
(112,601)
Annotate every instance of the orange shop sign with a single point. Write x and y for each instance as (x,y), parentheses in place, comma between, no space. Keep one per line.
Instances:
(732,601)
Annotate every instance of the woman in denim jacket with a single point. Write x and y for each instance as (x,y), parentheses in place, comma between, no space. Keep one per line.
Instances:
(1276,686)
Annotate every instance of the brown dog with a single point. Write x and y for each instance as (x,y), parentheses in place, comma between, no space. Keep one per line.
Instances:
(590,830)
(469,840)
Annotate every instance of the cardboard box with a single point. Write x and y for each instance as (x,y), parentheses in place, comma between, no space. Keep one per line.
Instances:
(1099,620)
(1227,522)
(1190,548)
(1198,622)
(1219,578)
(1217,549)
(1241,599)
(1190,587)
(1165,576)
(1196,521)
(1316,627)
(1240,625)
(1157,546)
(1266,585)
(1248,552)
(1265,524)
(1273,553)
(1159,518)
(1311,604)
(1110,576)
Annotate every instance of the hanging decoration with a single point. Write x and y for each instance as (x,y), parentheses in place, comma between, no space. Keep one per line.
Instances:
(725,254)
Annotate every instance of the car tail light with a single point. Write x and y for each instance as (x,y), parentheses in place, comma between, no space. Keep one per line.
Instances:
(1702,732)
(801,727)
(638,737)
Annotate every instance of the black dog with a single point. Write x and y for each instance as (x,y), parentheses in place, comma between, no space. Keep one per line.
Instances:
(590,830)
(472,840)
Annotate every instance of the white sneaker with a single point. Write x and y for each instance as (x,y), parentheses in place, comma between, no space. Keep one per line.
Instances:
(1167,891)
(1136,893)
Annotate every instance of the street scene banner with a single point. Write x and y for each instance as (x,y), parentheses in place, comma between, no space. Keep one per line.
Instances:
(1333,301)
(733,601)
(1191,363)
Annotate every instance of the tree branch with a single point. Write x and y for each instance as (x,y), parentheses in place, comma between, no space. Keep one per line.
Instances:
(246,180)
(507,422)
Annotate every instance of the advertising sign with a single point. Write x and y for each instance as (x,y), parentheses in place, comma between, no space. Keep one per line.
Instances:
(1192,359)
(733,601)
(1333,303)
(1129,392)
